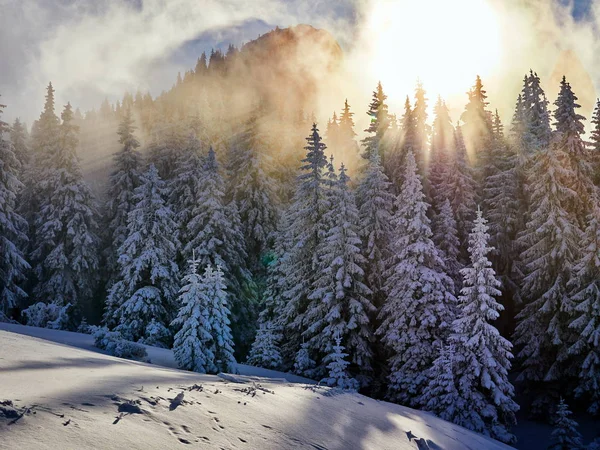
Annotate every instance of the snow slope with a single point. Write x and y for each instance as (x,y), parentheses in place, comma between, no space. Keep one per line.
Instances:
(69,398)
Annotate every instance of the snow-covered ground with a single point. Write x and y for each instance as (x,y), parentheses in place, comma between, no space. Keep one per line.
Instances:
(72,398)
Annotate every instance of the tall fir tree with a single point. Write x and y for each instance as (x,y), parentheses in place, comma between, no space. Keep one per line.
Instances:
(215,236)
(594,144)
(65,256)
(378,112)
(481,356)
(570,129)
(477,130)
(124,179)
(375,203)
(417,314)
(445,237)
(584,289)
(422,130)
(346,133)
(147,287)
(203,342)
(13,229)
(305,233)
(460,187)
(550,246)
(184,190)
(442,144)
(503,207)
(340,306)
(253,189)
(20,142)
(537,131)
(565,435)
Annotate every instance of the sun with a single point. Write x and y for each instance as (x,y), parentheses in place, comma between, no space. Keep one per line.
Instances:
(442,43)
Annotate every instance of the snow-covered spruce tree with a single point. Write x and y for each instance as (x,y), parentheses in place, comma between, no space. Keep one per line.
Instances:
(565,435)
(346,135)
(442,396)
(65,257)
(203,342)
(421,130)
(44,143)
(340,304)
(123,181)
(584,288)
(445,237)
(375,202)
(265,349)
(184,189)
(253,189)
(550,244)
(477,129)
(378,111)
(442,143)
(147,286)
(594,144)
(460,188)
(570,129)
(215,237)
(482,357)
(338,375)
(304,235)
(303,364)
(536,132)
(20,142)
(13,227)
(502,202)
(417,314)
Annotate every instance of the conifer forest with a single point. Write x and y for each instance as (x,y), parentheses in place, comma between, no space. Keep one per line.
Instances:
(443,259)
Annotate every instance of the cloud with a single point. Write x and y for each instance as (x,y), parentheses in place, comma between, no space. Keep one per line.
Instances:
(91,49)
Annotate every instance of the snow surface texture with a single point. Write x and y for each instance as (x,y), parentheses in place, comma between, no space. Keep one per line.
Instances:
(69,398)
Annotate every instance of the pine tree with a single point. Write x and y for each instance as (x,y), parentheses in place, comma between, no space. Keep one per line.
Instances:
(19,139)
(445,237)
(124,179)
(305,234)
(594,144)
(442,143)
(537,132)
(13,227)
(44,142)
(216,238)
(203,342)
(477,129)
(565,435)
(375,203)
(340,305)
(417,314)
(346,135)
(460,188)
(65,255)
(570,129)
(584,288)
(378,112)
(303,364)
(550,246)
(443,397)
(482,356)
(265,349)
(422,130)
(338,368)
(253,189)
(147,286)
(502,205)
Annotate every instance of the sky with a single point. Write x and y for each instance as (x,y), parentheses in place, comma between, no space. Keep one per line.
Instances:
(93,50)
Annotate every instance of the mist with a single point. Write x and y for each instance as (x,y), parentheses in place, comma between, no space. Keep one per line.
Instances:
(94,51)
